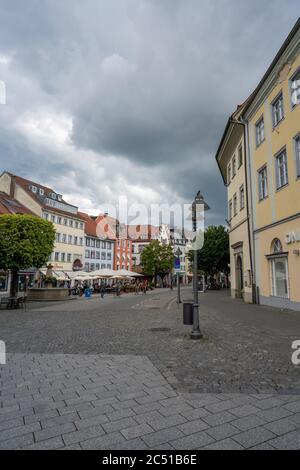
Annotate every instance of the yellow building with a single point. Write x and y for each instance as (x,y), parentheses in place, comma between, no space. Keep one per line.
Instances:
(68,251)
(232,164)
(269,121)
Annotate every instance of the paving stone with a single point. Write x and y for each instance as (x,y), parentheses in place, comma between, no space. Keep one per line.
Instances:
(124,423)
(194,441)
(49,444)
(273,414)
(290,441)
(12,423)
(162,437)
(225,444)
(133,444)
(40,416)
(270,403)
(193,426)
(244,410)
(218,418)
(294,407)
(253,437)
(222,431)
(18,431)
(17,442)
(103,442)
(88,422)
(220,406)
(83,434)
(136,431)
(248,422)
(66,418)
(193,414)
(282,426)
(54,431)
(116,415)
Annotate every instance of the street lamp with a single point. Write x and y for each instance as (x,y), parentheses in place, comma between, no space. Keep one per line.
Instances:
(178,253)
(198,202)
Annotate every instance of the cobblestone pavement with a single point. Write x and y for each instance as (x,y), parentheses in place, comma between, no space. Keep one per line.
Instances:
(123,373)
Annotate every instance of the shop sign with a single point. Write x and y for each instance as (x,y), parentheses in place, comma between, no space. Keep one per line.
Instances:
(292,237)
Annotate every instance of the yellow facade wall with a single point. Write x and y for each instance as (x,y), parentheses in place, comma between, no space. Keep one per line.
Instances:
(265,239)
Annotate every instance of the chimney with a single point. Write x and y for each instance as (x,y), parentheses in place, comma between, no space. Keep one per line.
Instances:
(12,186)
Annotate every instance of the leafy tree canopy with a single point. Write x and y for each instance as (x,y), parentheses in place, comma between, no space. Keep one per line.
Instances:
(214,255)
(25,241)
(157,258)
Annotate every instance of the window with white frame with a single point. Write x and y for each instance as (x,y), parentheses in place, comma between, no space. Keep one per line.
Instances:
(277,110)
(297,150)
(56,256)
(260,131)
(281,167)
(69,257)
(230,210)
(62,257)
(295,89)
(242,197)
(263,183)
(279,271)
(229,173)
(240,154)
(234,204)
(64,238)
(233,167)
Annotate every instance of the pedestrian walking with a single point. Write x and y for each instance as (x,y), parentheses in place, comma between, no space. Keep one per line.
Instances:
(136,288)
(102,290)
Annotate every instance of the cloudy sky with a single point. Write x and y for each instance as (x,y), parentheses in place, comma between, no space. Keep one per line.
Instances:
(130,97)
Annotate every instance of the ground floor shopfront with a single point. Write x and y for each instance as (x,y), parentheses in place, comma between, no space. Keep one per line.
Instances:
(277,264)
(241,278)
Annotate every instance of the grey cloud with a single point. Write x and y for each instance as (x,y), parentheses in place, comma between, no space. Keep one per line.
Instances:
(149,83)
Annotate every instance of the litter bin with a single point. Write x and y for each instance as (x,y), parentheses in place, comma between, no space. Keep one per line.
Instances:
(187,314)
(87,292)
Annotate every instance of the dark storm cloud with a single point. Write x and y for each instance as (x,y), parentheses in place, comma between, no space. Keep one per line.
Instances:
(149,83)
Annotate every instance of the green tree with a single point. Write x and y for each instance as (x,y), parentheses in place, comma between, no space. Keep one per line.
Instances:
(157,259)
(214,255)
(25,241)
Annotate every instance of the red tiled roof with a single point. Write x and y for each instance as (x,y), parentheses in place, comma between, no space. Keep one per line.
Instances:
(143,232)
(107,227)
(90,224)
(9,205)
(26,184)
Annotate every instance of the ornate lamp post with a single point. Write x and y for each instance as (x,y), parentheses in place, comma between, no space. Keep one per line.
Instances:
(200,204)
(178,253)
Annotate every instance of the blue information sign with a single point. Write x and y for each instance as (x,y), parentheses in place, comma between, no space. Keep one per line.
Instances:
(177,264)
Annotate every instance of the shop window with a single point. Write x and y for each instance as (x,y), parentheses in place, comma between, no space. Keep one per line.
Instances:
(3,280)
(279,271)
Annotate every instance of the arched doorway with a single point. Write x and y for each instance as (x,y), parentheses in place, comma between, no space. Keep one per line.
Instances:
(239,277)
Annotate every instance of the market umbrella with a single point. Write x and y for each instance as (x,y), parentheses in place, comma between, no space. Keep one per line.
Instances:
(124,272)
